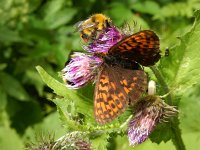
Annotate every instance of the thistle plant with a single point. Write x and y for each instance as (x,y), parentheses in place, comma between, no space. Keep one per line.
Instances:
(143,120)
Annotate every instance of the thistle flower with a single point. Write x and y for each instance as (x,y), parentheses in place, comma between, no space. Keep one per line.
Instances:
(148,113)
(71,141)
(105,41)
(83,145)
(80,70)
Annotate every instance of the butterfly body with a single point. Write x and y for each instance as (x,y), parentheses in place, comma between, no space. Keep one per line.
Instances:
(121,81)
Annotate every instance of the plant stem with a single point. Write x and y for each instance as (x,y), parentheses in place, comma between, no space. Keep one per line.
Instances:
(177,140)
(163,84)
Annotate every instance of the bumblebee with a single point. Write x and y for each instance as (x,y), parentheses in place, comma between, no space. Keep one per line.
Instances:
(91,28)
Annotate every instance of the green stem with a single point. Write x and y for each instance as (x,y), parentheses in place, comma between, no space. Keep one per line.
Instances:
(163,84)
(177,140)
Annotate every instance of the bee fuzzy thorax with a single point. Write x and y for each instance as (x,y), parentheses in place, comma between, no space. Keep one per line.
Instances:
(93,26)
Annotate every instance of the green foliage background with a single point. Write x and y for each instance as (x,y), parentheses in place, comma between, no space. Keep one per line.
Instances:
(40,32)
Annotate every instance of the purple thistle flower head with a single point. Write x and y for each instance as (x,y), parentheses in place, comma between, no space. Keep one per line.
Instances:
(82,145)
(105,40)
(80,70)
(148,113)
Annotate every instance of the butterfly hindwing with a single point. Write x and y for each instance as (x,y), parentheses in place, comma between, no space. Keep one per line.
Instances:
(134,83)
(109,101)
(116,87)
(143,47)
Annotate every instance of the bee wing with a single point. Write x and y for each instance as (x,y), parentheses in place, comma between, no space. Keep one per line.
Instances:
(81,25)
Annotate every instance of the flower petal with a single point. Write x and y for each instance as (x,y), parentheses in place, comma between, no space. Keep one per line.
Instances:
(148,113)
(105,41)
(80,70)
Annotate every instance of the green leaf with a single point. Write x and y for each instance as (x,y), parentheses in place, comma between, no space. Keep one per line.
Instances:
(123,144)
(60,18)
(192,140)
(66,115)
(161,133)
(52,6)
(48,125)
(32,77)
(59,88)
(125,16)
(13,87)
(119,18)
(149,7)
(181,68)
(178,9)
(34,4)
(3,99)
(2,66)
(100,142)
(9,139)
(8,35)
(25,114)
(83,104)
(189,106)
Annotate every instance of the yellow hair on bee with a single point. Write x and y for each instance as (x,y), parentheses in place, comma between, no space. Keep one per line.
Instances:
(91,28)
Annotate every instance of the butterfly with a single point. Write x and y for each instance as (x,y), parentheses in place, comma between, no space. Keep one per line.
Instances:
(121,80)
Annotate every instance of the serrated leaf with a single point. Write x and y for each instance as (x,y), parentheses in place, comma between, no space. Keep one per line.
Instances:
(59,88)
(83,105)
(181,68)
(68,123)
(100,142)
(13,87)
(162,132)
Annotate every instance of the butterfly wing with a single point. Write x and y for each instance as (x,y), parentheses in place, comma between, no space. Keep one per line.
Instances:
(143,47)
(116,87)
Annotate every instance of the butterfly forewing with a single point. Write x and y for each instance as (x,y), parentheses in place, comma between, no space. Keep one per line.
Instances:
(143,47)
(115,88)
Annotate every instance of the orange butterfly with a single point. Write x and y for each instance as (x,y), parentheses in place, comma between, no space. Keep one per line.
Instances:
(121,81)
